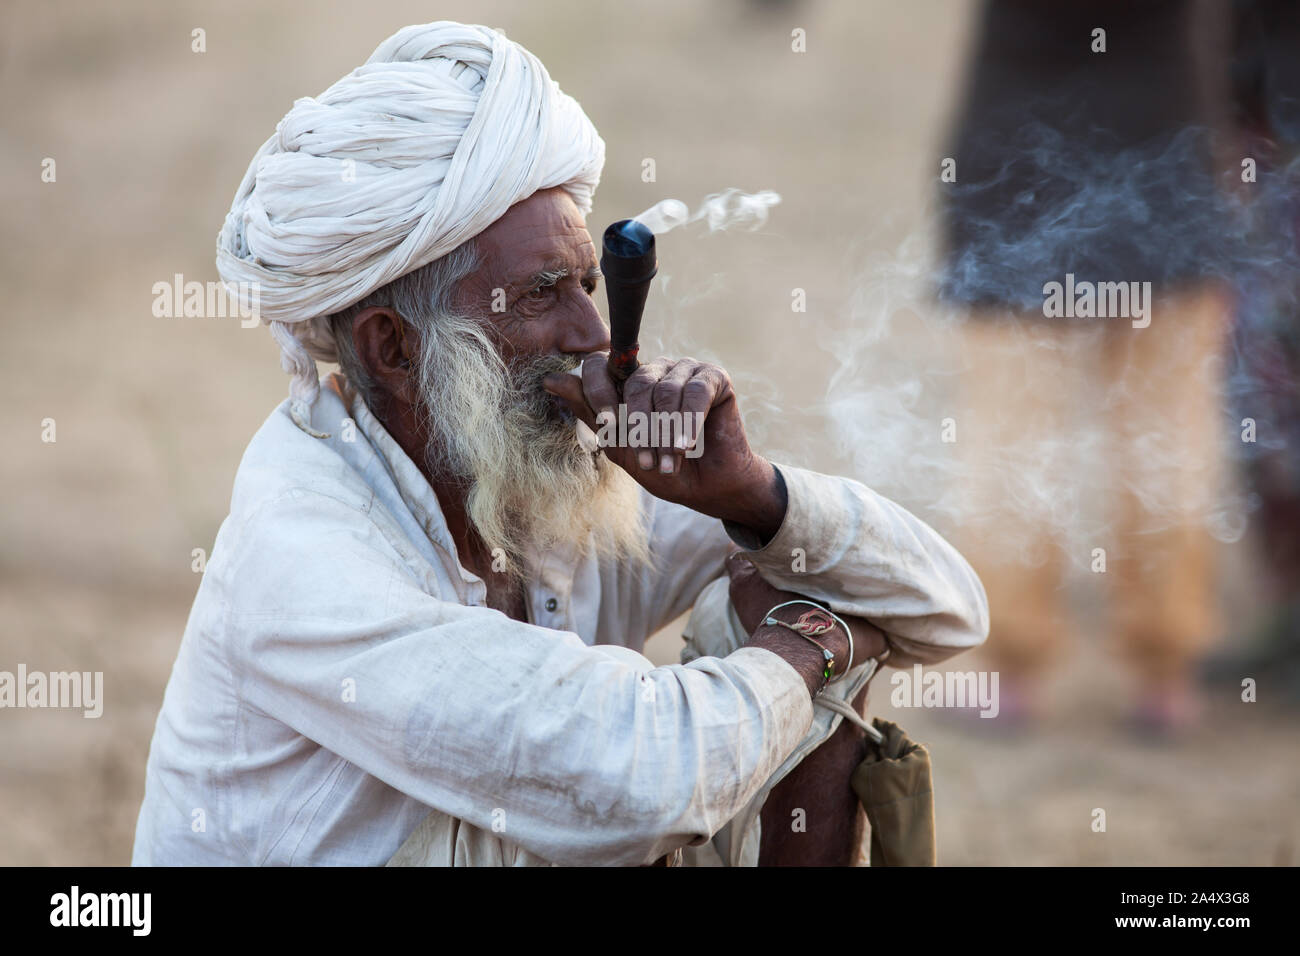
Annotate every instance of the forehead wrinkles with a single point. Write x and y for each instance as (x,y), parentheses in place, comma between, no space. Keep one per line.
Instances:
(574,257)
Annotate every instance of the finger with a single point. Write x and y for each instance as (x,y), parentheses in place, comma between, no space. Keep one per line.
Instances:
(568,389)
(602,394)
(744,591)
(738,565)
(638,392)
(706,388)
(743,577)
(868,640)
(751,595)
(667,401)
(744,574)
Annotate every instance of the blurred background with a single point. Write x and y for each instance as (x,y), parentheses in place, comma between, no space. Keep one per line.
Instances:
(885,323)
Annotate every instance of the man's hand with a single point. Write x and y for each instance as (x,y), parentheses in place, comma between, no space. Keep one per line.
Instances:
(752,597)
(725,480)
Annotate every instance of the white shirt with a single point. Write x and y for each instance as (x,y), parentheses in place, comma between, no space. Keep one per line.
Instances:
(340,675)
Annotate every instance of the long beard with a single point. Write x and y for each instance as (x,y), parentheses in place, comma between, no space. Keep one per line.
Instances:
(530,483)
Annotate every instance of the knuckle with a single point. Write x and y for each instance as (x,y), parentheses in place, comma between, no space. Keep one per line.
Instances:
(698,389)
(667,394)
(639,379)
(602,391)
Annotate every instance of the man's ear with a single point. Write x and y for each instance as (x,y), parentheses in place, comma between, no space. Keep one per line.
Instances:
(386,347)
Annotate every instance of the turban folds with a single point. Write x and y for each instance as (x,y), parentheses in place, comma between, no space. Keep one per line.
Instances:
(444,128)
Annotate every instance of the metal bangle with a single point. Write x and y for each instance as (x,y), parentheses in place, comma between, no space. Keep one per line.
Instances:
(839,620)
(769,619)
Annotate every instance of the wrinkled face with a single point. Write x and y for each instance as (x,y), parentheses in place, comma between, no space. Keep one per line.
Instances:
(539,271)
(533,290)
(525,312)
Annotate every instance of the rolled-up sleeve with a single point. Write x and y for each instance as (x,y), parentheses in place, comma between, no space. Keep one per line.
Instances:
(864,555)
(573,753)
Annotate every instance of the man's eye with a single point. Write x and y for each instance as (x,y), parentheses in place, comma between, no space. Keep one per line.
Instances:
(537,293)
(590,287)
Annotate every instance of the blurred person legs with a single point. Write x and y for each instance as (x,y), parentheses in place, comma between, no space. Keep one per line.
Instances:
(1018,430)
(1055,415)
(1089,161)
(1164,480)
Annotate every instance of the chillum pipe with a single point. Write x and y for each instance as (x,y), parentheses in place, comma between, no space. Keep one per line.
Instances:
(628,264)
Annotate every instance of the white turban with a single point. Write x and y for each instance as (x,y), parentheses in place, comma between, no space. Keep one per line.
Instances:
(445,128)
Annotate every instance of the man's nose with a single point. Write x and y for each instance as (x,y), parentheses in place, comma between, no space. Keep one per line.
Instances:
(584,331)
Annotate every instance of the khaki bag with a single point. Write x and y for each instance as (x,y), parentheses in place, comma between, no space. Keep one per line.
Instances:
(894,786)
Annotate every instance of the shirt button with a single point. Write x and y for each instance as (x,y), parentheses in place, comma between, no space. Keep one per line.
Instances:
(552,604)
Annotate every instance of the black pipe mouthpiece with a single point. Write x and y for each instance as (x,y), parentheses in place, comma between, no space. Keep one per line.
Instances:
(628,263)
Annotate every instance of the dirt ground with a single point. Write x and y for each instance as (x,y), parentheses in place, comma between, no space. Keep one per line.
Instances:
(150,140)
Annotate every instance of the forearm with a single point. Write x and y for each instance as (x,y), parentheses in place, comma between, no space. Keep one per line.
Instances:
(798,652)
(760,506)
(808,780)
(813,817)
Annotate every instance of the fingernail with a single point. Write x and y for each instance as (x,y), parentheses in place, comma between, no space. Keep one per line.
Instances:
(666,464)
(646,460)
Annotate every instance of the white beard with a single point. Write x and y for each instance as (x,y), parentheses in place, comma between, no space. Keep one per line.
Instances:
(530,482)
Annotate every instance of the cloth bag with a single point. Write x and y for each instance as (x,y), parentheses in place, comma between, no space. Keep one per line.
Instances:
(895,788)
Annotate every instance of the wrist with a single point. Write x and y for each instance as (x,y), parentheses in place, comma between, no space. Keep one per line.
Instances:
(760,503)
(794,650)
(794,631)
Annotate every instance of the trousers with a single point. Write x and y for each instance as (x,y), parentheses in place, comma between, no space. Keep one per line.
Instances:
(1095,445)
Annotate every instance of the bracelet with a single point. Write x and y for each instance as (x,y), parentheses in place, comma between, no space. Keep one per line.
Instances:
(817,621)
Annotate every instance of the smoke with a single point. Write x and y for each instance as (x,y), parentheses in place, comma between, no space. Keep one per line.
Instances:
(720,211)
(683,289)
(691,291)
(951,393)
(947,389)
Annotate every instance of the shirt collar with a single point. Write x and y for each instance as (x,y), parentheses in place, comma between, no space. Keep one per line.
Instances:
(413,487)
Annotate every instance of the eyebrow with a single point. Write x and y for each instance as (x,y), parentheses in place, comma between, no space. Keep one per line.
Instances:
(553,272)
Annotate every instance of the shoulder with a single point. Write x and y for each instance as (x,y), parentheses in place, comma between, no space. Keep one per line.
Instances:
(283,463)
(307,511)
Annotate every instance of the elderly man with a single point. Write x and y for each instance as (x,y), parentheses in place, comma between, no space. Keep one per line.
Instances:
(422,620)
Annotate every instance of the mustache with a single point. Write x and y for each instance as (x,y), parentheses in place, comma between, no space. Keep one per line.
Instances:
(527,374)
(526,379)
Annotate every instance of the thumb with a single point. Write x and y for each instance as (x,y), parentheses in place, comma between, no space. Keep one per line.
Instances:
(750,595)
(739,566)
(568,388)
